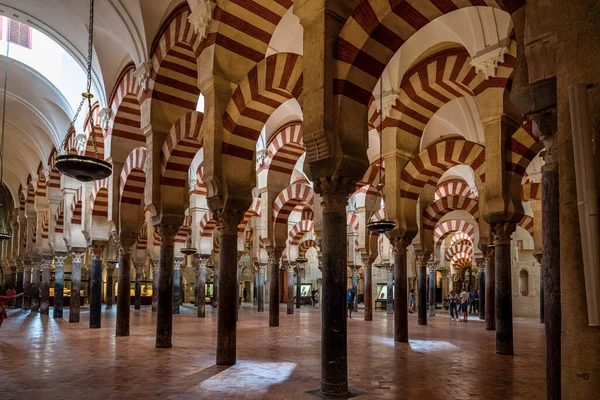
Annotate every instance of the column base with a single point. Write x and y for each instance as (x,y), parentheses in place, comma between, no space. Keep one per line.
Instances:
(350,393)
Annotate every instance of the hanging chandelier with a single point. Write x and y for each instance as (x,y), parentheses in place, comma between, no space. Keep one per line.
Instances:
(5,233)
(188,249)
(384,225)
(84,168)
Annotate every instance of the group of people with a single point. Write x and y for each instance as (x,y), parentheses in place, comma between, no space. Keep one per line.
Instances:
(468,301)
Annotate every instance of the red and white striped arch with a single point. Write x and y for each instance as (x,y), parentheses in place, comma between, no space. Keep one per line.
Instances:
(443,206)
(253,211)
(524,146)
(527,223)
(375,32)
(269,84)
(100,199)
(200,187)
(207,224)
(299,230)
(530,190)
(180,148)
(305,245)
(142,239)
(54,176)
(371,177)
(133,177)
(288,199)
(458,249)
(352,221)
(45,225)
(461,260)
(125,116)
(453,225)
(59,227)
(283,152)
(461,237)
(76,207)
(173,82)
(454,187)
(181,235)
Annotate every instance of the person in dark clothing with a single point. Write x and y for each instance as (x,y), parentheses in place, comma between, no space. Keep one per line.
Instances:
(245,294)
(350,300)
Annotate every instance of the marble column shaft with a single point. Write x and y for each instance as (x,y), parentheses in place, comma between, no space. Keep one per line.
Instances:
(19,287)
(261,288)
(123,290)
(432,290)
(216,273)
(490,289)
(503,301)
(176,285)
(27,287)
(96,285)
(137,300)
(45,303)
(334,333)
(228,288)
(201,288)
(155,276)
(481,288)
(59,287)
(541,294)
(110,295)
(401,288)
(274,257)
(368,291)
(390,290)
(35,286)
(75,306)
(164,311)
(255,291)
(422,289)
(355,287)
(298,287)
(290,290)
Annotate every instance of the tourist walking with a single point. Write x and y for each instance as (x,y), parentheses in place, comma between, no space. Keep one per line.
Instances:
(453,302)
(411,301)
(464,304)
(350,300)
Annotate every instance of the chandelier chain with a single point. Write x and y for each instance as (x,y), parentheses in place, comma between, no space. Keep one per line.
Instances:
(4,105)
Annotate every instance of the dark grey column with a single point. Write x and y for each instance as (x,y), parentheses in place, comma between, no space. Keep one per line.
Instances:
(355,286)
(177,285)
(255,291)
(490,289)
(432,285)
(504,323)
(110,286)
(201,286)
(290,289)
(27,287)
(390,289)
(164,311)
(35,285)
(75,306)
(216,279)
(228,287)
(274,257)
(334,358)
(541,293)
(59,286)
(155,265)
(401,289)
(261,288)
(19,287)
(45,303)
(298,286)
(481,288)
(123,290)
(96,284)
(422,288)
(368,290)
(137,301)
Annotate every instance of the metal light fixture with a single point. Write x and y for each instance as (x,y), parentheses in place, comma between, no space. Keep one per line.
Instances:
(384,225)
(84,168)
(188,249)
(5,233)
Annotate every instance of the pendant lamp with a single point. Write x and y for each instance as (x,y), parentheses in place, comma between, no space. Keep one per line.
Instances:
(5,233)
(84,168)
(188,249)
(384,225)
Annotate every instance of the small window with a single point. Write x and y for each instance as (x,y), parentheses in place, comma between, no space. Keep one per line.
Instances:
(20,34)
(524,282)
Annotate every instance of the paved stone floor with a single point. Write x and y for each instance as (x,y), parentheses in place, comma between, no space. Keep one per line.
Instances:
(41,358)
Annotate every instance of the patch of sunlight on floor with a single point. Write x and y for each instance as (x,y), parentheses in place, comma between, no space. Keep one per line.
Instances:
(419,346)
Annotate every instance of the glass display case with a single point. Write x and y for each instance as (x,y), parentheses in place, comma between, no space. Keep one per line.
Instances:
(83,290)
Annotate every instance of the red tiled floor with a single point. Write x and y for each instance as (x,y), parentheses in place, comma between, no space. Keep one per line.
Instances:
(41,358)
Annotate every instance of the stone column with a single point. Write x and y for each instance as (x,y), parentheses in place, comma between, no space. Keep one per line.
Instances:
(481,288)
(334,361)
(45,303)
(539,259)
(164,310)
(290,289)
(127,239)
(201,285)
(368,290)
(110,286)
(503,301)
(97,248)
(216,274)
(176,284)
(27,287)
(59,285)
(35,285)
(228,287)
(401,289)
(355,286)
(19,288)
(74,310)
(422,288)
(390,289)
(432,287)
(490,289)
(137,301)
(155,264)
(274,257)
(255,291)
(261,288)
(298,286)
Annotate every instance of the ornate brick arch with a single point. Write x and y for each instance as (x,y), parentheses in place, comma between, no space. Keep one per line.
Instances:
(305,245)
(133,177)
(441,207)
(76,207)
(352,220)
(527,223)
(283,152)
(299,230)
(100,199)
(456,187)
(59,227)
(253,211)
(207,224)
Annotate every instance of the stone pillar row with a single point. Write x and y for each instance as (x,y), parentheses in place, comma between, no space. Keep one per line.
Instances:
(97,248)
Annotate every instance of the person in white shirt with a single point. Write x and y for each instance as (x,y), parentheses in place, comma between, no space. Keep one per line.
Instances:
(464,304)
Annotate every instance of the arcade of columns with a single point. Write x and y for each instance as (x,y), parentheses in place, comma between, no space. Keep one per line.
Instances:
(177,170)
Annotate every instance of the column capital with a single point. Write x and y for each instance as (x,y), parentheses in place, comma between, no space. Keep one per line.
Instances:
(228,221)
(46,263)
(125,242)
(97,248)
(177,263)
(77,256)
(139,266)
(59,260)
(400,244)
(333,197)
(502,232)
